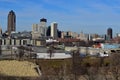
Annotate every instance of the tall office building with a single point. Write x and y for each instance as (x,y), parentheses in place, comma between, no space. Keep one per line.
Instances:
(39,30)
(63,34)
(11,22)
(0,32)
(43,26)
(35,31)
(118,34)
(83,36)
(54,33)
(109,33)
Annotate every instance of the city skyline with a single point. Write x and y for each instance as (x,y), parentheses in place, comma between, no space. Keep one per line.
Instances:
(94,16)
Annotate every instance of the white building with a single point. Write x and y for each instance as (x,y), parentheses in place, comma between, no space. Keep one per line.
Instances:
(43,26)
(69,34)
(118,34)
(39,30)
(35,31)
(54,56)
(54,33)
(83,36)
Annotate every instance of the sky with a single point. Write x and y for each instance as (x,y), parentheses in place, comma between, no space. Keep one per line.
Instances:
(88,16)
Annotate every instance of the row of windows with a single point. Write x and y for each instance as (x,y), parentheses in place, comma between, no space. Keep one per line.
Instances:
(13,42)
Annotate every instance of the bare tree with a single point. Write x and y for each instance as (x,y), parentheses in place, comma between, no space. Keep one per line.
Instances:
(29,50)
(21,51)
(77,67)
(115,65)
(92,73)
(50,51)
(0,50)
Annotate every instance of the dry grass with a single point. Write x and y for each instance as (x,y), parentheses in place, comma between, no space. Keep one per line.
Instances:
(18,68)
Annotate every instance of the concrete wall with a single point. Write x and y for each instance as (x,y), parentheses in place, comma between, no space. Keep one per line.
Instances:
(17,42)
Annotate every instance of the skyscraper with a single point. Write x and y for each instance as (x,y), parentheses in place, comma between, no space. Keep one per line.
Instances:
(0,32)
(35,31)
(54,33)
(109,33)
(39,30)
(11,22)
(43,26)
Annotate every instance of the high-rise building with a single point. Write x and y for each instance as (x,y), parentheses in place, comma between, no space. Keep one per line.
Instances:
(43,26)
(54,33)
(109,33)
(63,34)
(35,31)
(118,35)
(69,34)
(39,30)
(11,22)
(0,32)
(83,36)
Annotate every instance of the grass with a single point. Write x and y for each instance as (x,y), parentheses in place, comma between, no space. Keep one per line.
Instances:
(54,66)
(17,68)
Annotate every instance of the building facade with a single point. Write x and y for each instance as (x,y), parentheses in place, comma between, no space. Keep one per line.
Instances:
(69,34)
(54,32)
(109,33)
(0,32)
(43,26)
(18,42)
(35,31)
(83,36)
(11,27)
(39,30)
(118,34)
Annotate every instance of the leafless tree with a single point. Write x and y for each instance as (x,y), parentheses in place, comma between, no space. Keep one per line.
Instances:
(21,52)
(92,73)
(50,51)
(28,49)
(0,50)
(77,67)
(115,65)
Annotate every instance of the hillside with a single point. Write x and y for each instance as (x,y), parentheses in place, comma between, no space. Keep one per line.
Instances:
(17,68)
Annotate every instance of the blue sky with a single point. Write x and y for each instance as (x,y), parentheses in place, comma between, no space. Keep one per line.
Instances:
(89,16)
